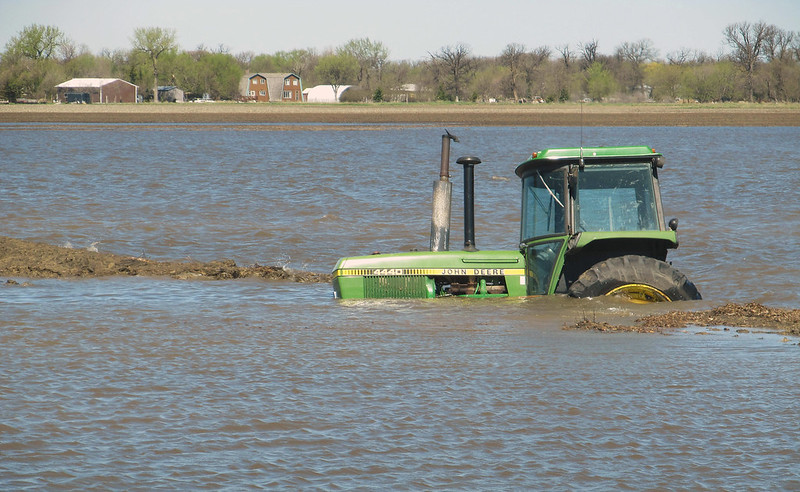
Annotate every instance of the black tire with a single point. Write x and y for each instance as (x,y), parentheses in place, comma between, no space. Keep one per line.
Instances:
(639,277)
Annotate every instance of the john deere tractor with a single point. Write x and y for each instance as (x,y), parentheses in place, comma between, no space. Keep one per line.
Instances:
(592,225)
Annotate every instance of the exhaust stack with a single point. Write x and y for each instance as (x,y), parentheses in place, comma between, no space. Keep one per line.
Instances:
(442,198)
(469,164)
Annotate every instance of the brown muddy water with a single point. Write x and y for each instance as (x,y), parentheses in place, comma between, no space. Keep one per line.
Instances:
(157,383)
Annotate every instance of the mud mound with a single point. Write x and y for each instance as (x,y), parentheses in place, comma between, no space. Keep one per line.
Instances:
(750,315)
(29,259)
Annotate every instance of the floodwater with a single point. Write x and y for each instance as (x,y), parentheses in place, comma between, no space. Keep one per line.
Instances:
(148,383)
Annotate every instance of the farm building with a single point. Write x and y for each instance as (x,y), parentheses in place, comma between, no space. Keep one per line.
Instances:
(324,93)
(97,91)
(170,93)
(266,87)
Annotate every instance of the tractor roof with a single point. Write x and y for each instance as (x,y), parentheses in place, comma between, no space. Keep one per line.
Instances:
(593,155)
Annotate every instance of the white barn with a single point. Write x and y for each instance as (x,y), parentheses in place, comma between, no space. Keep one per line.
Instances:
(324,94)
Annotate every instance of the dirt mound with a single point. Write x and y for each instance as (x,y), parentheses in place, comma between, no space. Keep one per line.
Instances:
(29,259)
(750,315)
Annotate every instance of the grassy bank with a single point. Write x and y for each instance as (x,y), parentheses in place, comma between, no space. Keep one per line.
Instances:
(450,114)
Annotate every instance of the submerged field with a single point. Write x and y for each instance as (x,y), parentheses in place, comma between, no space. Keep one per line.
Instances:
(464,114)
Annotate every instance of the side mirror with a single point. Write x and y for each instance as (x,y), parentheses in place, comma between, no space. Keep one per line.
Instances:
(673,224)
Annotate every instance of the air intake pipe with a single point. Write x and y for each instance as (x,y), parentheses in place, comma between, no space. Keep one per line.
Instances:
(469,164)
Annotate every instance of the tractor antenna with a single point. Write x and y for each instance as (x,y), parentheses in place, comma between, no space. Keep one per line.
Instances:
(580,163)
(581,123)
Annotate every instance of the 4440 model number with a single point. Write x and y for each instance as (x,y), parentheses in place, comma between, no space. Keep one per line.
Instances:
(387,271)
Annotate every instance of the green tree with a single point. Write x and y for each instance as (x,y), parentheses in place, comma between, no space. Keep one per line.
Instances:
(86,65)
(442,94)
(186,72)
(712,82)
(487,82)
(337,70)
(599,81)
(222,74)
(665,80)
(299,62)
(36,42)
(371,57)
(154,42)
(27,60)
(202,72)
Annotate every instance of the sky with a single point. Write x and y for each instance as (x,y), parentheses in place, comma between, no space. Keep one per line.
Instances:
(410,29)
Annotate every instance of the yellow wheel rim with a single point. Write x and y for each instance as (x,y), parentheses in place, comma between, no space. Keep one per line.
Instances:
(640,293)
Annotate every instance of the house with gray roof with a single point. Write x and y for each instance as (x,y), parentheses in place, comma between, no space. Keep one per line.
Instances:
(272,87)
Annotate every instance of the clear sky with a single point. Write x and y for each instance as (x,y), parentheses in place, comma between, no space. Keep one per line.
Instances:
(410,29)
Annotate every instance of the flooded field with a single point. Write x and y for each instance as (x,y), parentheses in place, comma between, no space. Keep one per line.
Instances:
(154,382)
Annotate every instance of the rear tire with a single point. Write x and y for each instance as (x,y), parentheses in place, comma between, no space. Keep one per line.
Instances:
(639,278)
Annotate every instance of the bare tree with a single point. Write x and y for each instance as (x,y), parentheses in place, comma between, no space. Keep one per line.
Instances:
(302,61)
(638,52)
(69,50)
(589,53)
(778,52)
(154,41)
(634,55)
(536,59)
(681,57)
(513,57)
(245,58)
(747,41)
(567,56)
(795,46)
(457,63)
(777,45)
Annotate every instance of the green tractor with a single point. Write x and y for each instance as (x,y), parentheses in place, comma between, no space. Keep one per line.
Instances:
(592,225)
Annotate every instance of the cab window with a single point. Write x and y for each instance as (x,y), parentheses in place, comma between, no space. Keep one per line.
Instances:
(616,197)
(543,204)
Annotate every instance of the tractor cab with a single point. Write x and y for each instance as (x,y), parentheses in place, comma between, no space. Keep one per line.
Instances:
(582,206)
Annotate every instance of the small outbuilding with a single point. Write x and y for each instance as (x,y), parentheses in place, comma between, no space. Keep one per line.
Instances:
(170,93)
(97,90)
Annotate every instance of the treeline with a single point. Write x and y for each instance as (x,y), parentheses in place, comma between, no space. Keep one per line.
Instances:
(762,64)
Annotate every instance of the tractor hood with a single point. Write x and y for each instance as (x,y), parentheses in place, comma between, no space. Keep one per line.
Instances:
(430,274)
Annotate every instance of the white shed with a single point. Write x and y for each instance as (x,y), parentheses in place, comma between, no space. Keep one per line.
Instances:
(324,94)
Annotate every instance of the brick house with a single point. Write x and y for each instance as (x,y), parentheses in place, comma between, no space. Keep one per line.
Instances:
(95,90)
(266,87)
